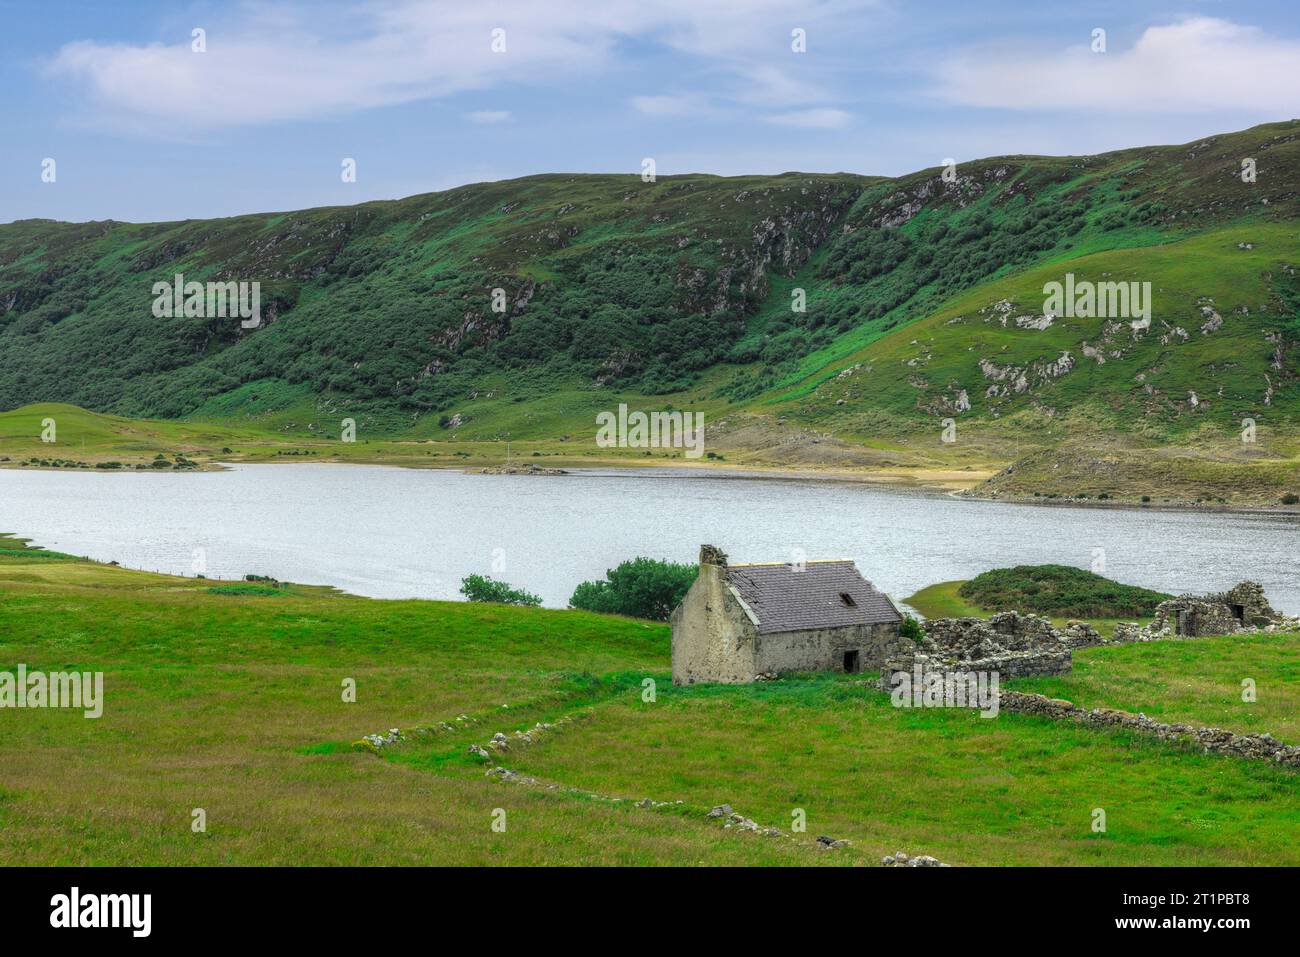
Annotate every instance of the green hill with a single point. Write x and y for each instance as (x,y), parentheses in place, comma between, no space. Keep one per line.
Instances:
(924,302)
(1059,590)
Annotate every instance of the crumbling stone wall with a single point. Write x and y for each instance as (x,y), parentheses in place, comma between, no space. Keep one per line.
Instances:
(1012,644)
(1195,617)
(1253,603)
(1262,747)
(1243,607)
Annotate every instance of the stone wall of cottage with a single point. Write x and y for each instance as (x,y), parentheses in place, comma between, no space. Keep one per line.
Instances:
(823,649)
(713,638)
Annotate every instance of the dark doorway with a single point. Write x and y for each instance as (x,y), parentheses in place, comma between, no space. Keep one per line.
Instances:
(1239,612)
(852,662)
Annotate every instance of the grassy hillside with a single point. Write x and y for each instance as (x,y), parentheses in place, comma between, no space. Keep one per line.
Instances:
(924,302)
(384,311)
(232,703)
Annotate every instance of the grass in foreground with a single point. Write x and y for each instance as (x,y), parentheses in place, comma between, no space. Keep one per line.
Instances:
(232,703)
(1009,790)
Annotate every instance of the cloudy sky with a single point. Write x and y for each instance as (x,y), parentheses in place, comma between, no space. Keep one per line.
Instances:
(142,127)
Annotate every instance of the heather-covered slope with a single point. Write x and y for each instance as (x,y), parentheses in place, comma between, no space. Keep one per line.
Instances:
(924,302)
(386,308)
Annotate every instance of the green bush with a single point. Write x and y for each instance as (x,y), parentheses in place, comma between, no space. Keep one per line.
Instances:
(1058,590)
(640,588)
(911,628)
(242,589)
(483,588)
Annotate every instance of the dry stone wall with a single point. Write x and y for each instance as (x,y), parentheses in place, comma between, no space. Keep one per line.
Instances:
(1262,747)
(1012,644)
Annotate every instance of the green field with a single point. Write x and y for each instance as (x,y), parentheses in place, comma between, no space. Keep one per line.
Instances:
(1195,681)
(232,703)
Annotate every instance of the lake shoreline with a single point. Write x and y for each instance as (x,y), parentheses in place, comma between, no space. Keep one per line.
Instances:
(953,483)
(415,533)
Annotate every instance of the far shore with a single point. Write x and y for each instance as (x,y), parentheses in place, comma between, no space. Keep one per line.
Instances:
(955,483)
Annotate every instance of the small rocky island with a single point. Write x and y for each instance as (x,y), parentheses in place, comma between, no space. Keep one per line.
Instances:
(518,468)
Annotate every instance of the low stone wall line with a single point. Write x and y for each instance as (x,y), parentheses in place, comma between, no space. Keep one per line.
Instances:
(1260,747)
(722,812)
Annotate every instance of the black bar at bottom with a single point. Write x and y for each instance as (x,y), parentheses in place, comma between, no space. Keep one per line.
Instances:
(332,906)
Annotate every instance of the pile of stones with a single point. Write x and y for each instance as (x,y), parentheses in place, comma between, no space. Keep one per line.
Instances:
(502,742)
(899,859)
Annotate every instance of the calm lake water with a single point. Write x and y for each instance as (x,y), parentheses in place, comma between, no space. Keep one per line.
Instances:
(399,533)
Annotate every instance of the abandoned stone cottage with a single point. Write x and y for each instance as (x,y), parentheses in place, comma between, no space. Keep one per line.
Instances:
(738,622)
(1243,606)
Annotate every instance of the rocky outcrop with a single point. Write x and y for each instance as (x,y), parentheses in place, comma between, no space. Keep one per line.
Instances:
(517,468)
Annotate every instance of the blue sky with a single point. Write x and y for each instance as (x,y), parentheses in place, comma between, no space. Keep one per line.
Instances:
(142,128)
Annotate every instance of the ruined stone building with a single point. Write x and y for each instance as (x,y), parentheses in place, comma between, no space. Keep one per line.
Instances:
(1241,607)
(1009,643)
(738,622)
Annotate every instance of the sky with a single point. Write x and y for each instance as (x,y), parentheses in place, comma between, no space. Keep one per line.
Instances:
(142,125)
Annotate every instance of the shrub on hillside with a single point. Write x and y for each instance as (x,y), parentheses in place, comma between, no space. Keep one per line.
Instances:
(640,588)
(1059,590)
(483,588)
(242,589)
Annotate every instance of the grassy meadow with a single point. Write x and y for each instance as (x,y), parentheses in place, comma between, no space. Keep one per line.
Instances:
(1195,681)
(230,700)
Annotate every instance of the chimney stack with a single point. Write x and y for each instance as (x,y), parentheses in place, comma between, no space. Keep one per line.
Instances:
(712,555)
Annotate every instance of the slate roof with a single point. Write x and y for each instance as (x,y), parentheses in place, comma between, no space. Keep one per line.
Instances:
(784,599)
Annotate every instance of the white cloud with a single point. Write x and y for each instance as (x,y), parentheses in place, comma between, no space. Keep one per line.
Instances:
(488,117)
(671,105)
(1196,65)
(820,119)
(272,63)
